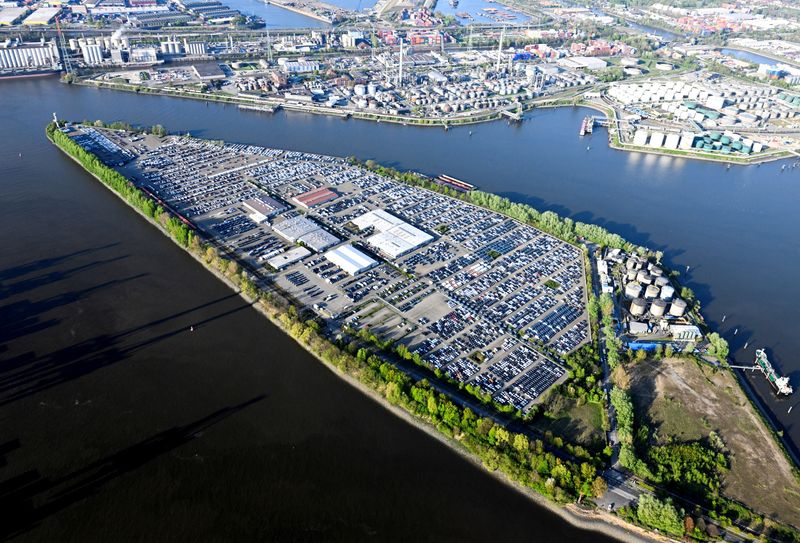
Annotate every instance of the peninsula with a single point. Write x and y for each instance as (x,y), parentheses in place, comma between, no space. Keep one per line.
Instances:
(481,319)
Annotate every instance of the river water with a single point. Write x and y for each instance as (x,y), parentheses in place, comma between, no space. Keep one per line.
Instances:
(117,423)
(106,396)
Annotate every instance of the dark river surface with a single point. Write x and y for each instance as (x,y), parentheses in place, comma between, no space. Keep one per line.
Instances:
(118,423)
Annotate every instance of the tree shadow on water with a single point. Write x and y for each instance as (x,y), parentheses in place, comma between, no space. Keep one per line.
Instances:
(29,498)
(44,263)
(28,374)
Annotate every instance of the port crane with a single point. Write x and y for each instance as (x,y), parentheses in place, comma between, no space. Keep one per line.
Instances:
(63,42)
(762,364)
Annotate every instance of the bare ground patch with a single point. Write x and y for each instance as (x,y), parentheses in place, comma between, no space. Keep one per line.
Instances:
(686,401)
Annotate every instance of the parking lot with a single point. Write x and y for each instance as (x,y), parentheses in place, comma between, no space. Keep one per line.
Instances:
(472,302)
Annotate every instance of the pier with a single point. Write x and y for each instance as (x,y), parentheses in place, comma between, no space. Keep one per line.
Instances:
(762,363)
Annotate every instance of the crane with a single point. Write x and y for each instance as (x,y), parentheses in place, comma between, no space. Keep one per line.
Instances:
(63,42)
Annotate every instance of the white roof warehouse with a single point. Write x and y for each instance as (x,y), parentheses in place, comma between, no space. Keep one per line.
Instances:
(350,259)
(394,237)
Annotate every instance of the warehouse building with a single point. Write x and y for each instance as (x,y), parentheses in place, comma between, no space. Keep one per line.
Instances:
(350,259)
(394,236)
(9,16)
(315,197)
(263,207)
(289,257)
(305,231)
(42,16)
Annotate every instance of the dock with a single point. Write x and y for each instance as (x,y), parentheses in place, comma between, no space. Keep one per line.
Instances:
(762,364)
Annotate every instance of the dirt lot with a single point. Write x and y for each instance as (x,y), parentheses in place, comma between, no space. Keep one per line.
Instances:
(687,401)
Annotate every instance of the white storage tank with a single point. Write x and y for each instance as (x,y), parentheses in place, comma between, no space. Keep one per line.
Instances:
(677,308)
(667,292)
(633,290)
(638,307)
(644,278)
(658,308)
(661,281)
(651,292)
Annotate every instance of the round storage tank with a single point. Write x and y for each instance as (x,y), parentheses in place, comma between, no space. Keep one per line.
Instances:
(678,308)
(651,292)
(372,88)
(633,290)
(631,275)
(658,308)
(644,278)
(655,270)
(638,307)
(661,281)
(360,90)
(667,292)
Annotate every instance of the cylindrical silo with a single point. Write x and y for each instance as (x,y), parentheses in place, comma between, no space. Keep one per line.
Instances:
(678,308)
(658,308)
(644,278)
(661,281)
(633,290)
(651,292)
(667,292)
(638,307)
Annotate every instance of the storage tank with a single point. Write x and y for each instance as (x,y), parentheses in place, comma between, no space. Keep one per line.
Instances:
(651,292)
(678,308)
(630,264)
(631,275)
(372,88)
(661,281)
(655,270)
(667,292)
(638,307)
(644,278)
(360,90)
(633,290)
(658,308)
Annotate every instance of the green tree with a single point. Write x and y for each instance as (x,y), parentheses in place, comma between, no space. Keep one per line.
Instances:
(661,515)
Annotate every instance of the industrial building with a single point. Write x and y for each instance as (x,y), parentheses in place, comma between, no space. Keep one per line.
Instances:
(263,207)
(315,197)
(303,230)
(350,259)
(42,16)
(15,54)
(394,237)
(92,53)
(288,257)
(9,16)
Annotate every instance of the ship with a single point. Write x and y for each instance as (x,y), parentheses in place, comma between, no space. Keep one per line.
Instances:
(781,384)
(582,131)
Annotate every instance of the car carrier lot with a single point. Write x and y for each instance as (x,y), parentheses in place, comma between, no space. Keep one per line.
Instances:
(475,302)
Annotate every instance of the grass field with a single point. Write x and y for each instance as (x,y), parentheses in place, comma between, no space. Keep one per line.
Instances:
(685,400)
(581,424)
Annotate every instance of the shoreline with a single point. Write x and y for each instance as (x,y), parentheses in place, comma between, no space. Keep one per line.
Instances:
(595,521)
(444,123)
